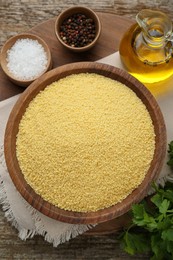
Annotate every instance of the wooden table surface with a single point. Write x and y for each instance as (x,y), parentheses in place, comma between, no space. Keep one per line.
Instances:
(21,15)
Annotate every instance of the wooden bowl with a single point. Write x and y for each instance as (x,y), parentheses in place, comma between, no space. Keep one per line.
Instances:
(12,129)
(9,43)
(76,10)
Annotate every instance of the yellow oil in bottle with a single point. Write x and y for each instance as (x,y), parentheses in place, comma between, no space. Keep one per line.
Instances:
(148,57)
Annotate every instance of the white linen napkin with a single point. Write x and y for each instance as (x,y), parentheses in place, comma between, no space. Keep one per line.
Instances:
(28,220)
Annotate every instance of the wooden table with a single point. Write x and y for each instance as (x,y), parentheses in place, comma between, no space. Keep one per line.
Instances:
(20,16)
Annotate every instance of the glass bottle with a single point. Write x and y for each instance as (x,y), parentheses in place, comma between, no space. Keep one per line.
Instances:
(146,50)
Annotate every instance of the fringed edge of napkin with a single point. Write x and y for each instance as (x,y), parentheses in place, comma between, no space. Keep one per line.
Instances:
(23,232)
(72,232)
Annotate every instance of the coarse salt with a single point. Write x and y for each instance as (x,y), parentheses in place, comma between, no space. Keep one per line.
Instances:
(26,59)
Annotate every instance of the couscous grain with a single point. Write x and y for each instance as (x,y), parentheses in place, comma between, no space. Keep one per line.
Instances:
(85,142)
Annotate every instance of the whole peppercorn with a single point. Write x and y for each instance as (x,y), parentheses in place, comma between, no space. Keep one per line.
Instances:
(78,30)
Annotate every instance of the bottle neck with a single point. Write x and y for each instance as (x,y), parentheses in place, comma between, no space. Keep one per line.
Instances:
(151,48)
(154,37)
(156,27)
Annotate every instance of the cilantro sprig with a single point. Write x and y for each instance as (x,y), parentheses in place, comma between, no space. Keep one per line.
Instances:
(151,230)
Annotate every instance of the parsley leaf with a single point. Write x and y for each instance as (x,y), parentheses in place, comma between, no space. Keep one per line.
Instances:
(157,200)
(136,243)
(167,234)
(164,206)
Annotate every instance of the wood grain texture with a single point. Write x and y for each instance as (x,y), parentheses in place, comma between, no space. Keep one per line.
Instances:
(18,16)
(13,125)
(80,248)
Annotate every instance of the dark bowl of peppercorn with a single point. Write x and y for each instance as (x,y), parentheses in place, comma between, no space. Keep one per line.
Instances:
(78,28)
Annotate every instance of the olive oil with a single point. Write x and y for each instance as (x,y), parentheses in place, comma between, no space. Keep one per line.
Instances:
(146,52)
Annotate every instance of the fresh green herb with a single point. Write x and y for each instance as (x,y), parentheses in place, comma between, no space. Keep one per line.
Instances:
(151,229)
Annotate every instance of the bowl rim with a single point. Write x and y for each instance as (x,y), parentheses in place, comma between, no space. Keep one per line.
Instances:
(75,9)
(12,128)
(11,41)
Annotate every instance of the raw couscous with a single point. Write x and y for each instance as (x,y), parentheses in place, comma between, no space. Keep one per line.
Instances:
(85,142)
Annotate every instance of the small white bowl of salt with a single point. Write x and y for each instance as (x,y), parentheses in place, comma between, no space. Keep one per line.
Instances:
(24,58)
